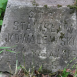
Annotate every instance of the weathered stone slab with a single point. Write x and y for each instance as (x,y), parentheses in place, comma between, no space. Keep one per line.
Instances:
(44,35)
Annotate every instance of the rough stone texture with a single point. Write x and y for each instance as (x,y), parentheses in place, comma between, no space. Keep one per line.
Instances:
(4,75)
(43,35)
(43,2)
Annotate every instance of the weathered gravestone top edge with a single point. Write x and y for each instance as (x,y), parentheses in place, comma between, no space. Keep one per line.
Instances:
(40,3)
(22,4)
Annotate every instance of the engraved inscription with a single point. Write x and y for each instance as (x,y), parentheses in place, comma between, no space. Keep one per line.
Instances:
(40,28)
(20,38)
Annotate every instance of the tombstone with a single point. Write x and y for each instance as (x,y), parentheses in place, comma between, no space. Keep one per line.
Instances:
(44,34)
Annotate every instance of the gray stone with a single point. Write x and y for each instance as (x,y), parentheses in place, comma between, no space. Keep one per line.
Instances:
(43,35)
(43,2)
(5,75)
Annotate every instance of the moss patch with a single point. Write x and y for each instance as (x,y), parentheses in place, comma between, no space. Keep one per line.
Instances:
(61,36)
(34,3)
(45,6)
(59,5)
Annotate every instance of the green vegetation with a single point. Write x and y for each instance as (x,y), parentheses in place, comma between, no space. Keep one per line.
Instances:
(61,36)
(59,5)
(6,49)
(45,6)
(32,72)
(3,4)
(72,11)
(44,72)
(73,6)
(34,3)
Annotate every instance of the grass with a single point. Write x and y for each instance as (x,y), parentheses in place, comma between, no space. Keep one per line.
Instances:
(43,72)
(32,72)
(3,4)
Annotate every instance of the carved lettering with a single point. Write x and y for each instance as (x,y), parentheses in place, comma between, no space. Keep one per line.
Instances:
(20,38)
(32,14)
(45,39)
(28,27)
(17,38)
(23,25)
(44,27)
(38,23)
(52,28)
(69,40)
(16,24)
(40,15)
(10,37)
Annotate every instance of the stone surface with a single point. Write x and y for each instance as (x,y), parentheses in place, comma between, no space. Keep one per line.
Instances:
(5,75)
(42,35)
(43,2)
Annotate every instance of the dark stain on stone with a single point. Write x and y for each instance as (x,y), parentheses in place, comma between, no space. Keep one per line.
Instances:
(61,36)
(53,39)
(58,29)
(65,22)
